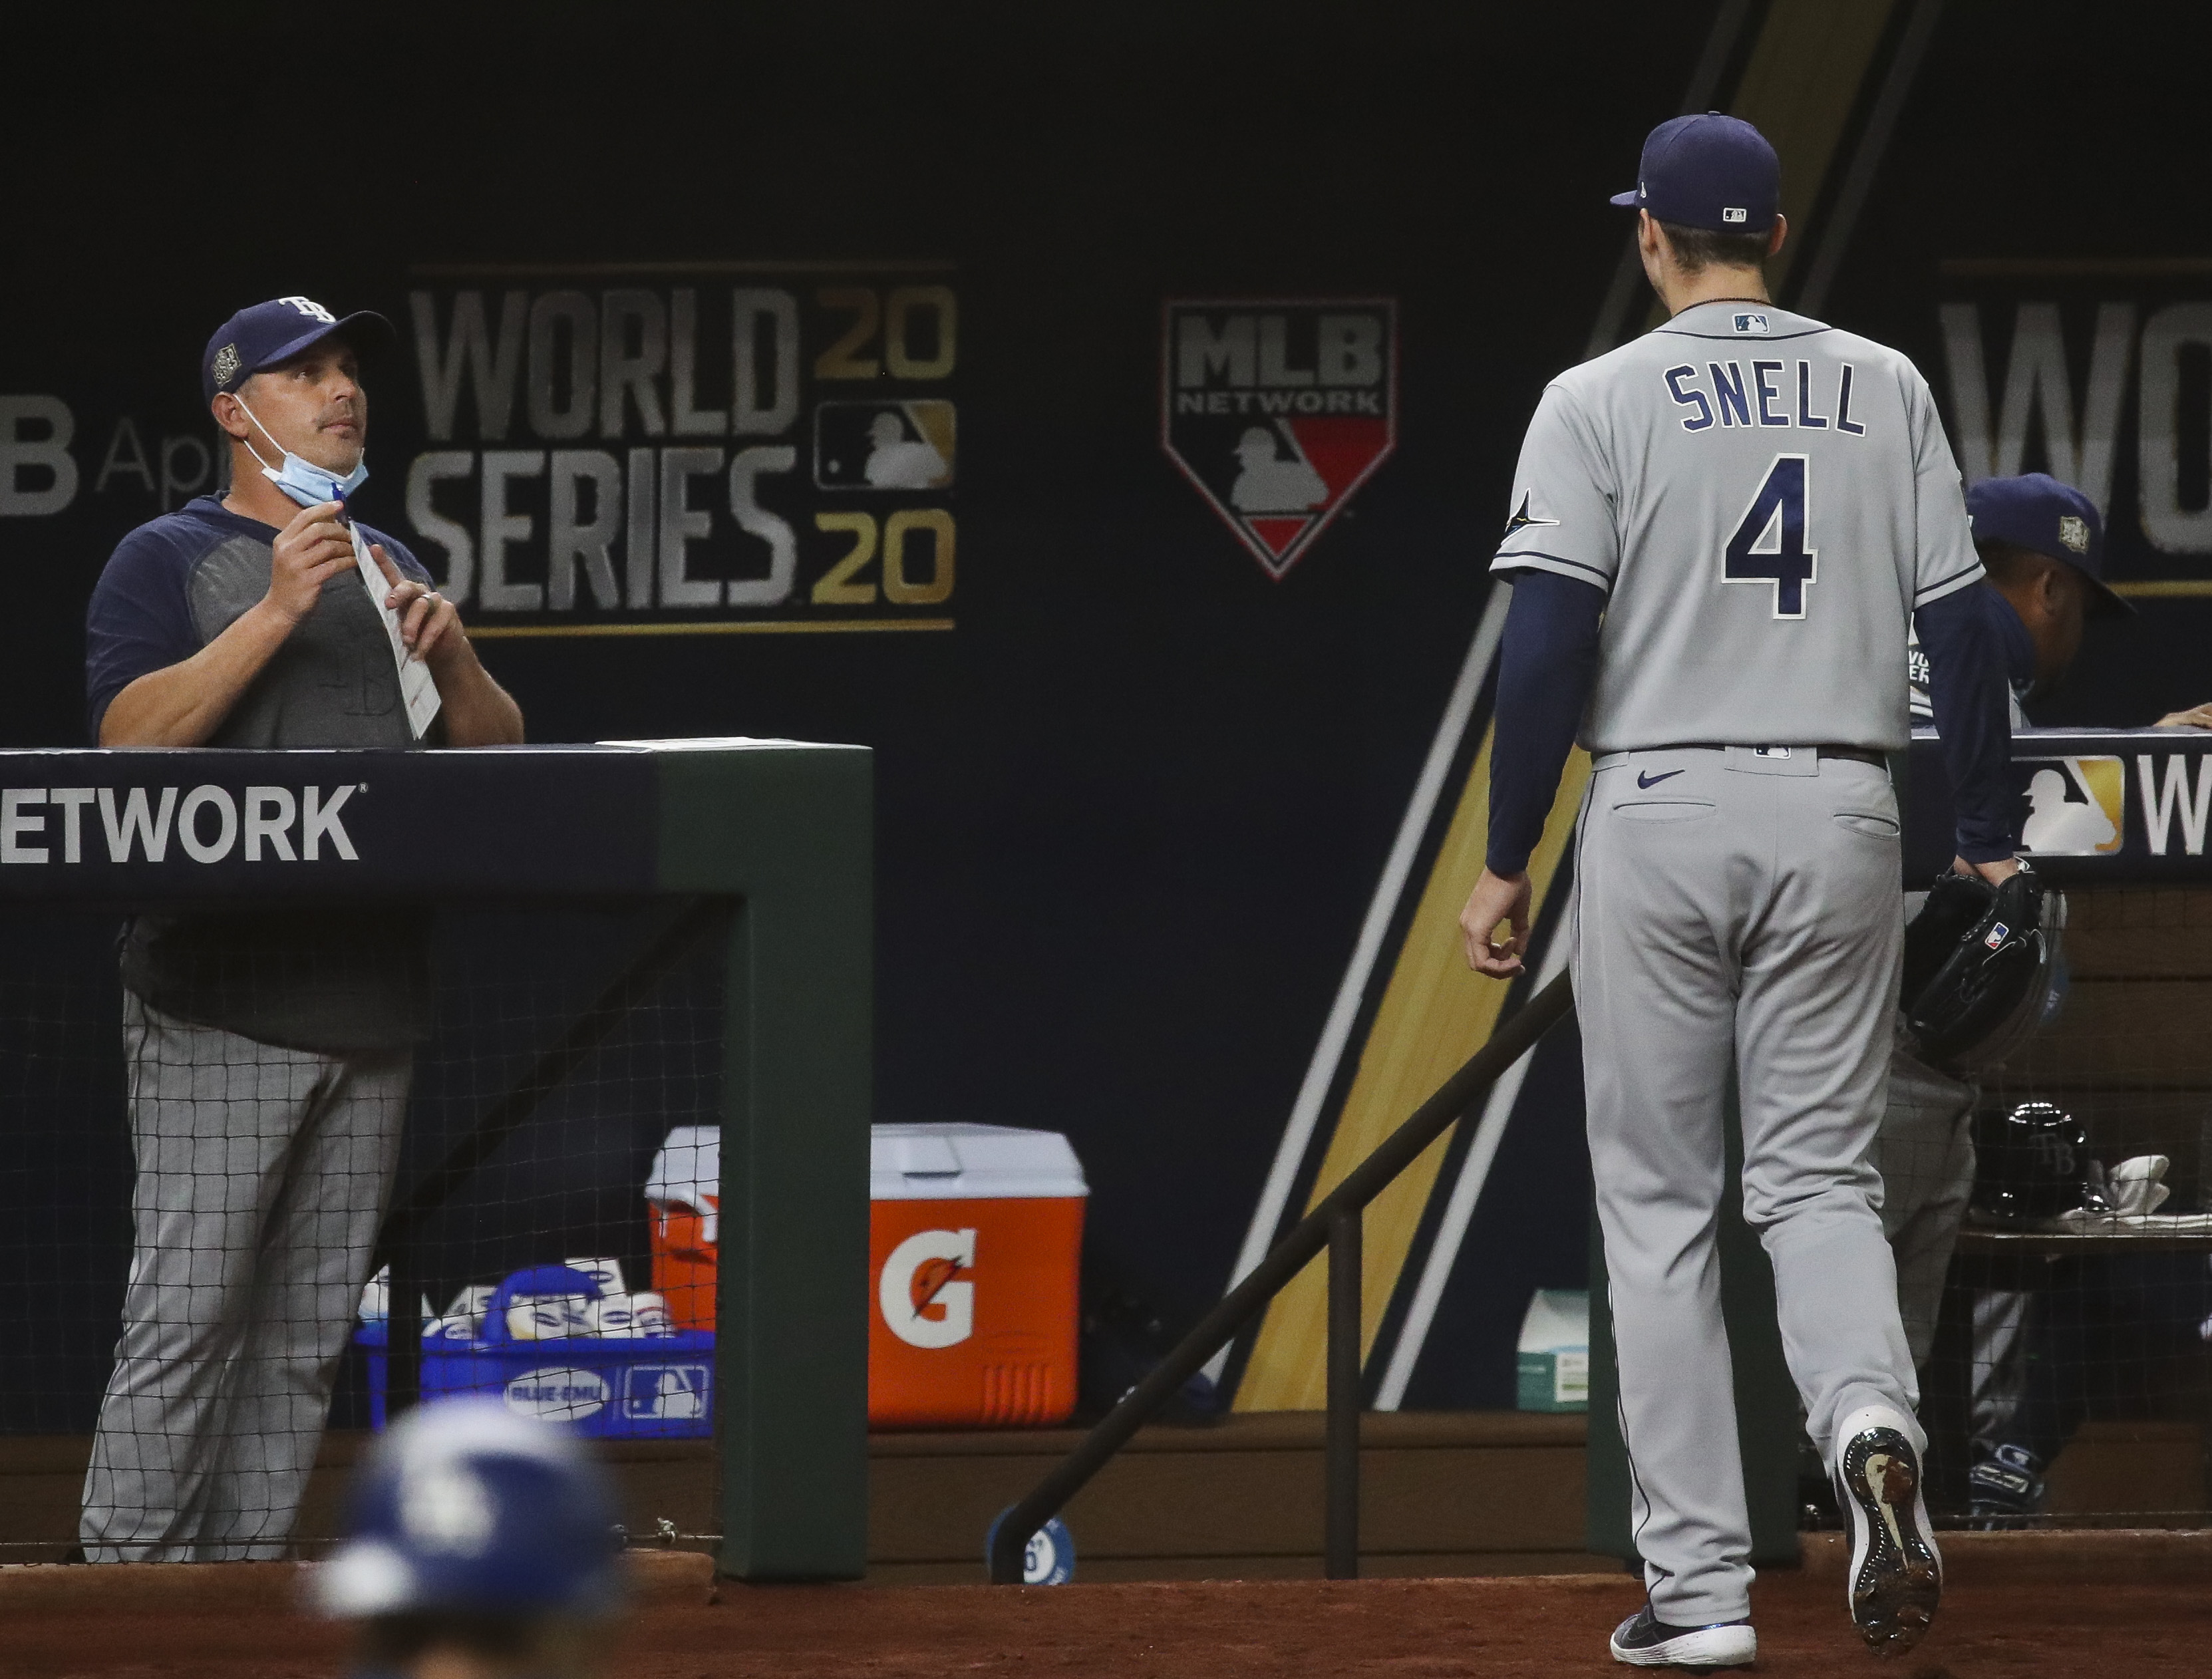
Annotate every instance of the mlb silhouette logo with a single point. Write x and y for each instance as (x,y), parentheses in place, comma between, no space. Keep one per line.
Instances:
(1998,934)
(906,445)
(1277,411)
(1731,214)
(2076,806)
(1751,323)
(667,1392)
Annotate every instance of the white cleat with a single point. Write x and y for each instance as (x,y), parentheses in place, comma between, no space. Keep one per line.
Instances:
(1897,1573)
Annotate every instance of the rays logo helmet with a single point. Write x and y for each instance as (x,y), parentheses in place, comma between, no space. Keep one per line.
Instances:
(465,1508)
(2030,1163)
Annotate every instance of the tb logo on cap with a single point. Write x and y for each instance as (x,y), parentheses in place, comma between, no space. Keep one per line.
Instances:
(309,308)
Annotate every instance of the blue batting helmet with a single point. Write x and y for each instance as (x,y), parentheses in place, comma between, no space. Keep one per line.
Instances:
(466,1508)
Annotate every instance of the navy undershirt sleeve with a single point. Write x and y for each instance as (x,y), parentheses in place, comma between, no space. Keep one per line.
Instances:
(1967,687)
(1545,672)
(137,621)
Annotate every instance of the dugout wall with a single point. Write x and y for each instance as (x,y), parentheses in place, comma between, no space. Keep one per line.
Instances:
(773,839)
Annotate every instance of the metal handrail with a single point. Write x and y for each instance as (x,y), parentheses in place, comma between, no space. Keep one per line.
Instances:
(1334,1224)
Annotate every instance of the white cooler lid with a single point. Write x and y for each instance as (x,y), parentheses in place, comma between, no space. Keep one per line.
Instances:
(687,1171)
(970,1163)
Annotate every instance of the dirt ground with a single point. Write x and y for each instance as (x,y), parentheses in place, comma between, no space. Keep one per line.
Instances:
(1403,1629)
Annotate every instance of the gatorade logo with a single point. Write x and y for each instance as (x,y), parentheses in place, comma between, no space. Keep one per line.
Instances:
(925,1298)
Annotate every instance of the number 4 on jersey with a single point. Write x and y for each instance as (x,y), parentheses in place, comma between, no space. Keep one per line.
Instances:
(1769,546)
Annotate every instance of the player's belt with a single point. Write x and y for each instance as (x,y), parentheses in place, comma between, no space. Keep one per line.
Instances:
(1856,754)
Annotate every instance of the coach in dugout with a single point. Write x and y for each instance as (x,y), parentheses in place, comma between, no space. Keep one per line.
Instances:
(268,1054)
(2041,543)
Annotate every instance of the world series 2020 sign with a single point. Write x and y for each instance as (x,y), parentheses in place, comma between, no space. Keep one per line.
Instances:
(693,446)
(1278,411)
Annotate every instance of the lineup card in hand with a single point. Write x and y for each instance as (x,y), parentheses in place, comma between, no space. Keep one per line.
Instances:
(416,685)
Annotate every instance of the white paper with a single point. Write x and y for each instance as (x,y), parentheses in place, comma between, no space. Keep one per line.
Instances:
(416,685)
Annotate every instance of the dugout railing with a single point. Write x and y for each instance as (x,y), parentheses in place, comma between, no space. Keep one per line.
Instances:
(752,860)
(1333,1226)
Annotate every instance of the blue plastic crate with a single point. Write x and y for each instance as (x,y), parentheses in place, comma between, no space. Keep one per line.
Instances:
(650,1388)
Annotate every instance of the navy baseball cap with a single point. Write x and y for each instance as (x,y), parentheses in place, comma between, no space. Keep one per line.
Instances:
(1708,172)
(276,331)
(2036,512)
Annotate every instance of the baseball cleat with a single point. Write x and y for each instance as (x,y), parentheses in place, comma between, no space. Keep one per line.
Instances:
(1897,1574)
(1644,1640)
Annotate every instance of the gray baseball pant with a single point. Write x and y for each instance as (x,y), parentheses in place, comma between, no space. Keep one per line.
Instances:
(263,1175)
(1736,908)
(1925,1151)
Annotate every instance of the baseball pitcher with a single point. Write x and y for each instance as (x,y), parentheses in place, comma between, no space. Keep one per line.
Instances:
(1720,534)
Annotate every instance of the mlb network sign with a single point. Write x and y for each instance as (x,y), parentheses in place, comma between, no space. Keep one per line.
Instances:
(69,825)
(1278,411)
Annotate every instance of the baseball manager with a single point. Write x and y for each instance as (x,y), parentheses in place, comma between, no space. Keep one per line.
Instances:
(268,1055)
(1720,533)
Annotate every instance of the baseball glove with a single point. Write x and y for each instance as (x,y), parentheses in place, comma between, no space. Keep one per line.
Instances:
(1971,958)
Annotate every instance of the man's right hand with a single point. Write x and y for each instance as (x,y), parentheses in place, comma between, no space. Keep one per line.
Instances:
(1996,873)
(313,548)
(1497,900)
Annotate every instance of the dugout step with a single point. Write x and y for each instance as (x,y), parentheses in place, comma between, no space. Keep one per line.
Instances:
(1448,1493)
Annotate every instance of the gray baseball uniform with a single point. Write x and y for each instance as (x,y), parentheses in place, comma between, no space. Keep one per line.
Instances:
(1765,501)
(268,1056)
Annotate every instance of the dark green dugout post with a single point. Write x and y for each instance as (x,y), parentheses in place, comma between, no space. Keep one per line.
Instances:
(789,831)
(780,833)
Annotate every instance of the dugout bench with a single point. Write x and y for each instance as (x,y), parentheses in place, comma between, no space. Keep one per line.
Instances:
(775,839)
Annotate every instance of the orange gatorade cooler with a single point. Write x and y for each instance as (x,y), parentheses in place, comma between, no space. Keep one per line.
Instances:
(974,1254)
(685,1196)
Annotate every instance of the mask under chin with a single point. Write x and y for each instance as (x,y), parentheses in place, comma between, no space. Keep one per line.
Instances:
(311,485)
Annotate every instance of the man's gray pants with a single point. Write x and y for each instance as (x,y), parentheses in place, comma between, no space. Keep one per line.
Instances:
(1742,912)
(1925,1151)
(263,1175)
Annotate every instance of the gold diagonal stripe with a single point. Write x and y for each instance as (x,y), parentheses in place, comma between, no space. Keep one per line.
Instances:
(1798,90)
(1434,1014)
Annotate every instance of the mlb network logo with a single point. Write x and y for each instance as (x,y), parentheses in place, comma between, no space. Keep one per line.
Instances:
(1279,411)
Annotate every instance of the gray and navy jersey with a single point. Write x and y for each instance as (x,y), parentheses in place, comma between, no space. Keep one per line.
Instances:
(1765,501)
(1922,704)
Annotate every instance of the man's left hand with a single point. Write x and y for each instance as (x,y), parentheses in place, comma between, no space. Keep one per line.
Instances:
(2196,717)
(429,624)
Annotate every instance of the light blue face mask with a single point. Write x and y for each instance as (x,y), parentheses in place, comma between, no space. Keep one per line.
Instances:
(308,485)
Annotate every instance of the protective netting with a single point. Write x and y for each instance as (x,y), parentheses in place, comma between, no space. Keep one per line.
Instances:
(2048,1213)
(214,1213)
